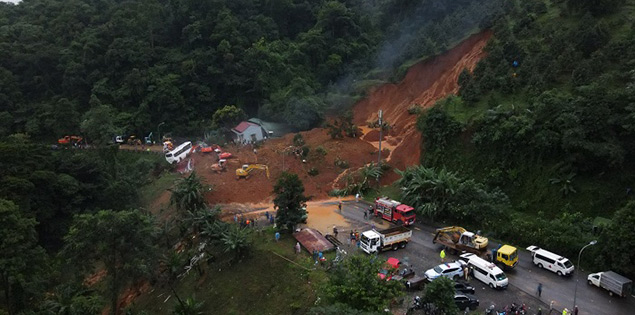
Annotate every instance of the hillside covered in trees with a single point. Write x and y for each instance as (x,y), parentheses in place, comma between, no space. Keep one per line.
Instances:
(177,62)
(538,147)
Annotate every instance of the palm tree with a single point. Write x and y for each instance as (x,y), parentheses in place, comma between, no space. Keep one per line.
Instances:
(189,307)
(199,218)
(235,240)
(187,195)
(213,231)
(173,262)
(428,190)
(566,183)
(72,300)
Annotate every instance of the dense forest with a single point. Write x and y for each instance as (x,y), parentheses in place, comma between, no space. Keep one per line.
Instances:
(538,147)
(98,68)
(177,62)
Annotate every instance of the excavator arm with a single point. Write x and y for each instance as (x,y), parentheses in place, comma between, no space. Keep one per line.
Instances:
(246,170)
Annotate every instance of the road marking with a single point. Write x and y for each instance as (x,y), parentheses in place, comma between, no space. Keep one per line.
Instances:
(418,229)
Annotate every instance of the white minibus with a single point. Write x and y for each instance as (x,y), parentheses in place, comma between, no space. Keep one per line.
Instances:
(485,271)
(550,261)
(179,153)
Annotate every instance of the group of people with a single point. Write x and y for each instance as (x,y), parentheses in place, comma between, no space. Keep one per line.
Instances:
(355,237)
(251,222)
(318,257)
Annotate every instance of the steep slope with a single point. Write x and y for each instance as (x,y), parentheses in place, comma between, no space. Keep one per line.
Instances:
(425,83)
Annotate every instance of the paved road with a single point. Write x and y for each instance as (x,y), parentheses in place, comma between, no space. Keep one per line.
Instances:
(422,254)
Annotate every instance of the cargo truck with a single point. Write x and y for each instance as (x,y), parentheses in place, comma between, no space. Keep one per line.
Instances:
(611,281)
(374,241)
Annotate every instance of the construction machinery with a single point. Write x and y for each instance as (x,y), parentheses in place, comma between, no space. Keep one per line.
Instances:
(70,140)
(221,166)
(459,239)
(248,168)
(134,141)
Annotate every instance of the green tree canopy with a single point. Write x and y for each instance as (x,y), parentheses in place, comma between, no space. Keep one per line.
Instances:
(356,284)
(187,195)
(227,117)
(621,237)
(98,125)
(290,202)
(441,292)
(123,241)
(22,260)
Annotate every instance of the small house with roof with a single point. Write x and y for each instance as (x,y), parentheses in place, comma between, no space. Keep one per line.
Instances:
(254,130)
(248,132)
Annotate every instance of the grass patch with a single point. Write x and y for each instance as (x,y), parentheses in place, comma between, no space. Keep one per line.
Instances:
(151,192)
(262,283)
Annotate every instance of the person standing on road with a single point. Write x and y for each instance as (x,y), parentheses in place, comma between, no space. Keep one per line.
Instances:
(539,290)
(565,311)
(339,206)
(466,274)
(551,307)
(442,255)
(277,236)
(335,231)
(365,215)
(575,310)
(357,197)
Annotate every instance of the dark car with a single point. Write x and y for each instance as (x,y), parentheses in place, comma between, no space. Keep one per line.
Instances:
(463,287)
(463,301)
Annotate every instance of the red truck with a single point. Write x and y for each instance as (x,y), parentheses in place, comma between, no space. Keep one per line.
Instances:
(394,211)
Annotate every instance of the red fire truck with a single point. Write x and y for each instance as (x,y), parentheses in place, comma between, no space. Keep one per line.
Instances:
(394,211)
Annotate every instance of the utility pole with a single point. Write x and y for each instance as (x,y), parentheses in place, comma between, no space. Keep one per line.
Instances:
(380,136)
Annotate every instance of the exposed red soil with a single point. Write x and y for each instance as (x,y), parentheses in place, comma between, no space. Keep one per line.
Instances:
(257,188)
(373,136)
(424,84)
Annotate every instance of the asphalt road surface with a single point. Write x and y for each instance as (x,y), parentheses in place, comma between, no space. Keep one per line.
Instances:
(422,254)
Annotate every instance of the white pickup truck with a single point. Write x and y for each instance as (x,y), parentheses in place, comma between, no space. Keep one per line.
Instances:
(374,241)
(612,282)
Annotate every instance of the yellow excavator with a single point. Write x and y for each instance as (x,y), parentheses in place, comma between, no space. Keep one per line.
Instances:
(459,239)
(247,168)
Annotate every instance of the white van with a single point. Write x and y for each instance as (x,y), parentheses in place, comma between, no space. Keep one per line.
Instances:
(485,271)
(550,261)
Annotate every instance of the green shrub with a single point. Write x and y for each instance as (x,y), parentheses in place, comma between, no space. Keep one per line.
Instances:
(341,163)
(320,150)
(415,109)
(298,140)
(313,171)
